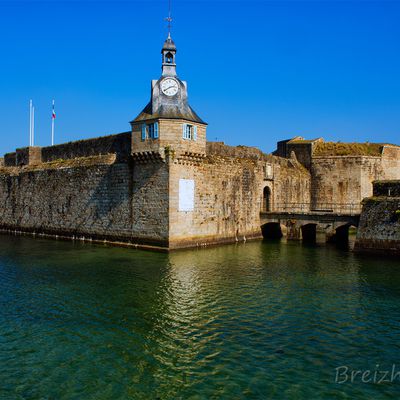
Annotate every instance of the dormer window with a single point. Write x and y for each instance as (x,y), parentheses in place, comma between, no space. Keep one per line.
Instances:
(189,132)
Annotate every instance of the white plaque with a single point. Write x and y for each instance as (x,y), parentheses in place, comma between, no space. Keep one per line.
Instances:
(186,194)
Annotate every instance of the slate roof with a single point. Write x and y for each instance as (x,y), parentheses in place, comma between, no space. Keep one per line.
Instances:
(169,112)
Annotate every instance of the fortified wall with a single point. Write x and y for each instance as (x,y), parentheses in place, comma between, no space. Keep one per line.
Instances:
(78,189)
(342,173)
(95,189)
(162,185)
(379,229)
(231,186)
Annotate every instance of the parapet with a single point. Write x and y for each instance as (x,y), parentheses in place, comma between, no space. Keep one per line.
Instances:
(302,148)
(28,156)
(119,144)
(223,150)
(307,150)
(10,159)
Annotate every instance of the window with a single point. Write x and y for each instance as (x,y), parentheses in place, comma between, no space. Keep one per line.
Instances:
(189,132)
(150,131)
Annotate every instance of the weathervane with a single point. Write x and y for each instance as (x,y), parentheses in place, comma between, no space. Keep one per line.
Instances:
(169,19)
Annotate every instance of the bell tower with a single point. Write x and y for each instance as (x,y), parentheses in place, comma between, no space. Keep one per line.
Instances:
(168,57)
(168,122)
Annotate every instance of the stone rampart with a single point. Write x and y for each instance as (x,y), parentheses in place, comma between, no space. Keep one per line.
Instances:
(223,150)
(119,144)
(94,197)
(379,229)
(10,159)
(229,187)
(28,156)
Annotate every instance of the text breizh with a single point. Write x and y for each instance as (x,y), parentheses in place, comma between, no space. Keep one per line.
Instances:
(345,374)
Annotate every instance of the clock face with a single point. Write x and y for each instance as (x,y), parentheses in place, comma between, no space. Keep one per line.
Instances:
(169,87)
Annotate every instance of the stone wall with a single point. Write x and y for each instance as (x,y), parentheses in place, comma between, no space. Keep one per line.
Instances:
(28,156)
(10,159)
(379,229)
(229,186)
(345,180)
(95,197)
(170,136)
(290,184)
(110,197)
(119,144)
(71,199)
(342,173)
(303,149)
(342,181)
(150,202)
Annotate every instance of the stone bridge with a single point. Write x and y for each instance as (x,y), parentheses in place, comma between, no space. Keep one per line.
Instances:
(303,222)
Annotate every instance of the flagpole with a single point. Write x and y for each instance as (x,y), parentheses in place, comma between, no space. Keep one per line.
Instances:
(30,123)
(33,126)
(52,126)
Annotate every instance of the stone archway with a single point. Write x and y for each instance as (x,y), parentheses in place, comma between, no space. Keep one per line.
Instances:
(272,230)
(309,233)
(340,234)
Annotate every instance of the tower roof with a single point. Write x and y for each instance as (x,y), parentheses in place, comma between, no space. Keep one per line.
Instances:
(169,44)
(169,112)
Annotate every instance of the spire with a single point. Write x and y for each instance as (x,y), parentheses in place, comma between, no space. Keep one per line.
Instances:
(169,19)
(169,50)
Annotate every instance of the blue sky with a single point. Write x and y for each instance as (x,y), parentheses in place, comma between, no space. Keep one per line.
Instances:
(258,71)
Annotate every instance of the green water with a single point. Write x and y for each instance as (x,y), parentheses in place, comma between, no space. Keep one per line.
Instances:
(253,321)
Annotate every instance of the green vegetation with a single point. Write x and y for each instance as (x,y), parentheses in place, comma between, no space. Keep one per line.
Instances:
(61,163)
(347,149)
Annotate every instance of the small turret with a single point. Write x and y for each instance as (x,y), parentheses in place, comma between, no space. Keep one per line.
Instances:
(168,57)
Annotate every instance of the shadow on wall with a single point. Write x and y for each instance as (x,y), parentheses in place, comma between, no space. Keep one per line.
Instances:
(110,203)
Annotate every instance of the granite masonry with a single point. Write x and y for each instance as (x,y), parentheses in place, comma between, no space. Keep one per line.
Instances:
(379,229)
(162,185)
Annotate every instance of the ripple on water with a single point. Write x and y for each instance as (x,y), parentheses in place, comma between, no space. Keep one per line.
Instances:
(258,320)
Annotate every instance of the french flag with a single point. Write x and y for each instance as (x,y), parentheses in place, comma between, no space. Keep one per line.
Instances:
(53,114)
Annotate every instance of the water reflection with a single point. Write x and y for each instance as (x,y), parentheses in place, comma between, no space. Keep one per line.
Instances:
(255,320)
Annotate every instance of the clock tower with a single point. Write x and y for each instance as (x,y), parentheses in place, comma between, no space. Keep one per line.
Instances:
(168,123)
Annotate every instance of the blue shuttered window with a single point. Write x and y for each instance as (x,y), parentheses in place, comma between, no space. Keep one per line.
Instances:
(155,136)
(189,132)
(150,131)
(144,132)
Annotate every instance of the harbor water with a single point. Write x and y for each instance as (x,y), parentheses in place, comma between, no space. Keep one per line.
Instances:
(260,320)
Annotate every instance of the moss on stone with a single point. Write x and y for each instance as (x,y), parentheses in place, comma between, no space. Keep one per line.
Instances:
(347,149)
